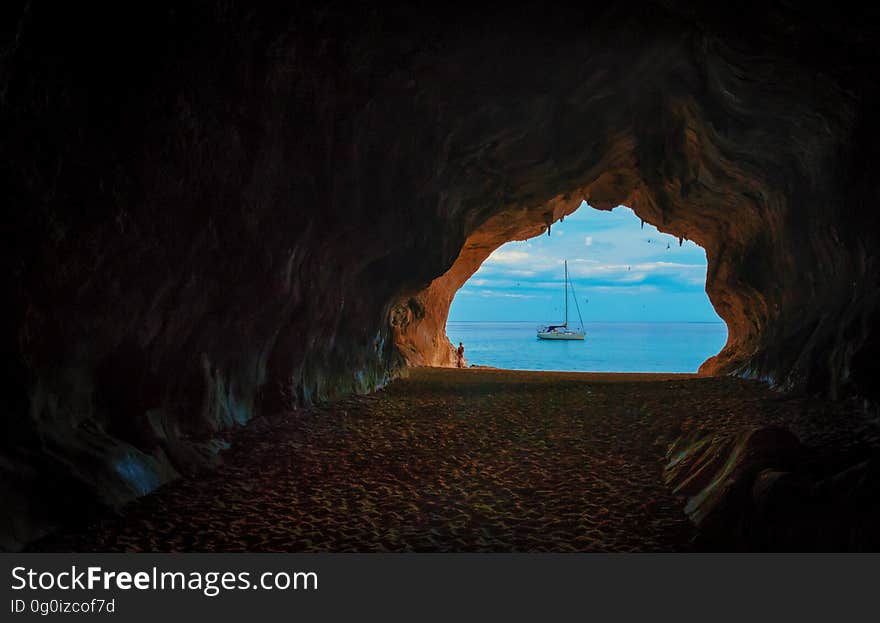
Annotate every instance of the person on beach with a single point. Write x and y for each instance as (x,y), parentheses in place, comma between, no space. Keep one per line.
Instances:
(459,355)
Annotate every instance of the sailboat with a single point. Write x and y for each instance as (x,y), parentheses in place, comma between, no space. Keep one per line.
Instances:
(561,331)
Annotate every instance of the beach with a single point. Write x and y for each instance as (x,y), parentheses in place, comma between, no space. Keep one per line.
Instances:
(458,460)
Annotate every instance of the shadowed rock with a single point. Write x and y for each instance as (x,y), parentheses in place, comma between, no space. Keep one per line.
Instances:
(762,490)
(717,473)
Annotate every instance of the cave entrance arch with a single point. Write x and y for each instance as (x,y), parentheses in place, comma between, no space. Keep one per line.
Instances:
(642,294)
(419,320)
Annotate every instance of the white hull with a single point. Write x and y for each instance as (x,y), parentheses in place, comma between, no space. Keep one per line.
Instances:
(553,335)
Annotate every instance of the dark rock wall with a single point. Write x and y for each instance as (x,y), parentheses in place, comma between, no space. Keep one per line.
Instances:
(217,210)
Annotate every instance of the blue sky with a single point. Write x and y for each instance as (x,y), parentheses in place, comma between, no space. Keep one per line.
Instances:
(620,272)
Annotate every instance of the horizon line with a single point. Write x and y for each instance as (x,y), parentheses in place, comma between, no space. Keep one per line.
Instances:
(607,321)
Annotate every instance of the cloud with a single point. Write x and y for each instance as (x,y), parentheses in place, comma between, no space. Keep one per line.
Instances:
(588,241)
(501,294)
(587,270)
(507,258)
(629,290)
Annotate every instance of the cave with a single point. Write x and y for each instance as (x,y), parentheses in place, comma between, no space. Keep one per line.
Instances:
(216,213)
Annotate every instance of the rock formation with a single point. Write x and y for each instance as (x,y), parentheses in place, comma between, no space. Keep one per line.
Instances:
(217,210)
(763,490)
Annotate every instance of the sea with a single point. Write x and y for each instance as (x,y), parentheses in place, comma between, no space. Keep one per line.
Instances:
(607,347)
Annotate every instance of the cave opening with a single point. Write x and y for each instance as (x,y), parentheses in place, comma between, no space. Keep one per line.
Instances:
(639,292)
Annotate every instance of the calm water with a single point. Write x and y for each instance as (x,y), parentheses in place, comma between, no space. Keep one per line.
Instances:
(608,347)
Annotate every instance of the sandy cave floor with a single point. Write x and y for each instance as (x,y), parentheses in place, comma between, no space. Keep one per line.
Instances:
(460,460)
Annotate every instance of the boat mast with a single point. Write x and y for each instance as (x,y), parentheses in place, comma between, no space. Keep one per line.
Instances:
(566,294)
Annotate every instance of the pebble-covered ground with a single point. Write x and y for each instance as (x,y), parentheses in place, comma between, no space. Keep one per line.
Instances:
(456,460)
